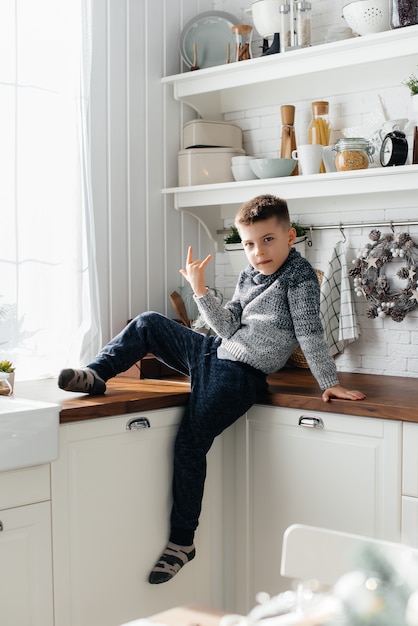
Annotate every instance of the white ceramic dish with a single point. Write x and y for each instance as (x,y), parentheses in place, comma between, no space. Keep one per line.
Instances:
(211,32)
(266,17)
(238,160)
(272,168)
(243,171)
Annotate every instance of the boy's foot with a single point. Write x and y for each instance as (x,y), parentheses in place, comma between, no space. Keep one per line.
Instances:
(170,562)
(85,381)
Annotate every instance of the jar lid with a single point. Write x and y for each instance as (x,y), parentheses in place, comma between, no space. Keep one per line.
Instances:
(359,143)
(241,29)
(303,6)
(354,143)
(284,8)
(320,107)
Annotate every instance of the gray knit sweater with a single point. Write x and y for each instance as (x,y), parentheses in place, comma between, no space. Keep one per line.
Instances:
(269,316)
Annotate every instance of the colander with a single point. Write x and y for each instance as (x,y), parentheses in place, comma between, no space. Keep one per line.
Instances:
(367,16)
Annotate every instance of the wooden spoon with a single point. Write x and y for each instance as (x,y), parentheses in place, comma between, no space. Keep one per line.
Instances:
(195,65)
(180,308)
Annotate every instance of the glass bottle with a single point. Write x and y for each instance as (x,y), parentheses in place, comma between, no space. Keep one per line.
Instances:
(243,35)
(353,153)
(285,39)
(403,13)
(303,23)
(5,386)
(319,130)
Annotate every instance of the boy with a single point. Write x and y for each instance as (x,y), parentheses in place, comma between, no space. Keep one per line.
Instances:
(275,306)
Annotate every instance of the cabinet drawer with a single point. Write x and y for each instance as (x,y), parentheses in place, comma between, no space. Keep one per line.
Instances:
(410,460)
(25,486)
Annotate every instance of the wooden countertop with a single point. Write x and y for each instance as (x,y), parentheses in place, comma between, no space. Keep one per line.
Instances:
(388,397)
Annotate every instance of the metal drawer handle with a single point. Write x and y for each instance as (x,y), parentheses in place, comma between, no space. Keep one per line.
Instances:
(311,422)
(137,423)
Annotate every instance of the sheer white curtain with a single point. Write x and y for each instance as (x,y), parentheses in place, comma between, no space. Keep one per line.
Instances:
(48,288)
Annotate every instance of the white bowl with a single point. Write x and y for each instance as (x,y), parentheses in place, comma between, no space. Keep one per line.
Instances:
(266,17)
(242,171)
(272,168)
(367,16)
(239,160)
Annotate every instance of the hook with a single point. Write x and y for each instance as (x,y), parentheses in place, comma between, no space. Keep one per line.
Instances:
(391,227)
(310,236)
(342,233)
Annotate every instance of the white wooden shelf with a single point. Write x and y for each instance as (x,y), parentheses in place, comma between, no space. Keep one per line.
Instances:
(349,66)
(375,186)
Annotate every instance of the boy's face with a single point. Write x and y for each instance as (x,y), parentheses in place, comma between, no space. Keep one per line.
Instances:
(267,244)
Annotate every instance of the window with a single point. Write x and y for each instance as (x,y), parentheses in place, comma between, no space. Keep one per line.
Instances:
(48,288)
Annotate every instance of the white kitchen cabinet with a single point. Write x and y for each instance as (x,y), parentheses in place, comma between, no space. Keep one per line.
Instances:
(111,504)
(26,592)
(355,65)
(345,476)
(410,484)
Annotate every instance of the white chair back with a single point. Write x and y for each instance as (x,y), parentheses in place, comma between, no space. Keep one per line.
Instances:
(325,555)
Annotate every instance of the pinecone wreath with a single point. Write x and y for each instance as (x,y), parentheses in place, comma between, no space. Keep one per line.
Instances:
(370,281)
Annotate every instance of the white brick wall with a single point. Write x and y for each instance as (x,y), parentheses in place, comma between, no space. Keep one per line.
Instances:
(385,346)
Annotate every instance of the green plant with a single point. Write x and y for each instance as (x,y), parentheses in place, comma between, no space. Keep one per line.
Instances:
(412,84)
(6,366)
(300,231)
(234,237)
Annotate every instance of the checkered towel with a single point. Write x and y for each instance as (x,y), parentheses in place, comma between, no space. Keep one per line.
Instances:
(336,305)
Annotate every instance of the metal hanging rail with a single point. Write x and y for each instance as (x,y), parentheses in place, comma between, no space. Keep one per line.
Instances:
(361,225)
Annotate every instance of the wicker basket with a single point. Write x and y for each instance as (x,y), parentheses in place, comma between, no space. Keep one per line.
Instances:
(298,358)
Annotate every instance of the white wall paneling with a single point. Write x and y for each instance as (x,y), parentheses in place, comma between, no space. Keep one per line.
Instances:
(135,135)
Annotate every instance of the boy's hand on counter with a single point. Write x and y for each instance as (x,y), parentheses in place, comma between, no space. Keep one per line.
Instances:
(341,392)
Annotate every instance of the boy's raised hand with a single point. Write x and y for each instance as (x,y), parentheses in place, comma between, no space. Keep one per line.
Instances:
(195,273)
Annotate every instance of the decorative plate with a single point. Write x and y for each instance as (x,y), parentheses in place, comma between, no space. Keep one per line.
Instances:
(211,32)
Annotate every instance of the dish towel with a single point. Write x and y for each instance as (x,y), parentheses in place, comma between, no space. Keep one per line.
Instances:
(338,315)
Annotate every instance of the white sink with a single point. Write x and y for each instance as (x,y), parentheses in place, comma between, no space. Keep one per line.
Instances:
(29,432)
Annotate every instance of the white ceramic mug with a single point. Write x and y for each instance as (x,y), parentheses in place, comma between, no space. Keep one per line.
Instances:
(309,156)
(391,125)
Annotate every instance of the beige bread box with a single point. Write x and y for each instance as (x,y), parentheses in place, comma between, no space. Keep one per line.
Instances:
(202,166)
(202,133)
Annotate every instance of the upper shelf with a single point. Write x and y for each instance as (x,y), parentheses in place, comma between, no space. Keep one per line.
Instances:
(341,67)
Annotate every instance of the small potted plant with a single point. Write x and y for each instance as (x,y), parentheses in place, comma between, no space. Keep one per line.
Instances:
(7,373)
(412,84)
(300,240)
(235,250)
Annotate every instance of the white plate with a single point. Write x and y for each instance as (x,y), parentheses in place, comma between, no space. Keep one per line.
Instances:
(211,32)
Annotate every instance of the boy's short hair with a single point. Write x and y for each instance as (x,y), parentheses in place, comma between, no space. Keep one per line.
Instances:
(263,208)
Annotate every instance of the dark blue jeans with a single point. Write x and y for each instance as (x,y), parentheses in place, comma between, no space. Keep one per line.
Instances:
(221,391)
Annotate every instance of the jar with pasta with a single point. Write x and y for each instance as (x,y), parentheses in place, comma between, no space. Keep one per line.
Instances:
(319,130)
(353,153)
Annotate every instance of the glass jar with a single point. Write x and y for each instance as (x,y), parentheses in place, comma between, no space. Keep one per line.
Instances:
(5,386)
(319,129)
(285,39)
(243,34)
(303,23)
(353,153)
(403,13)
